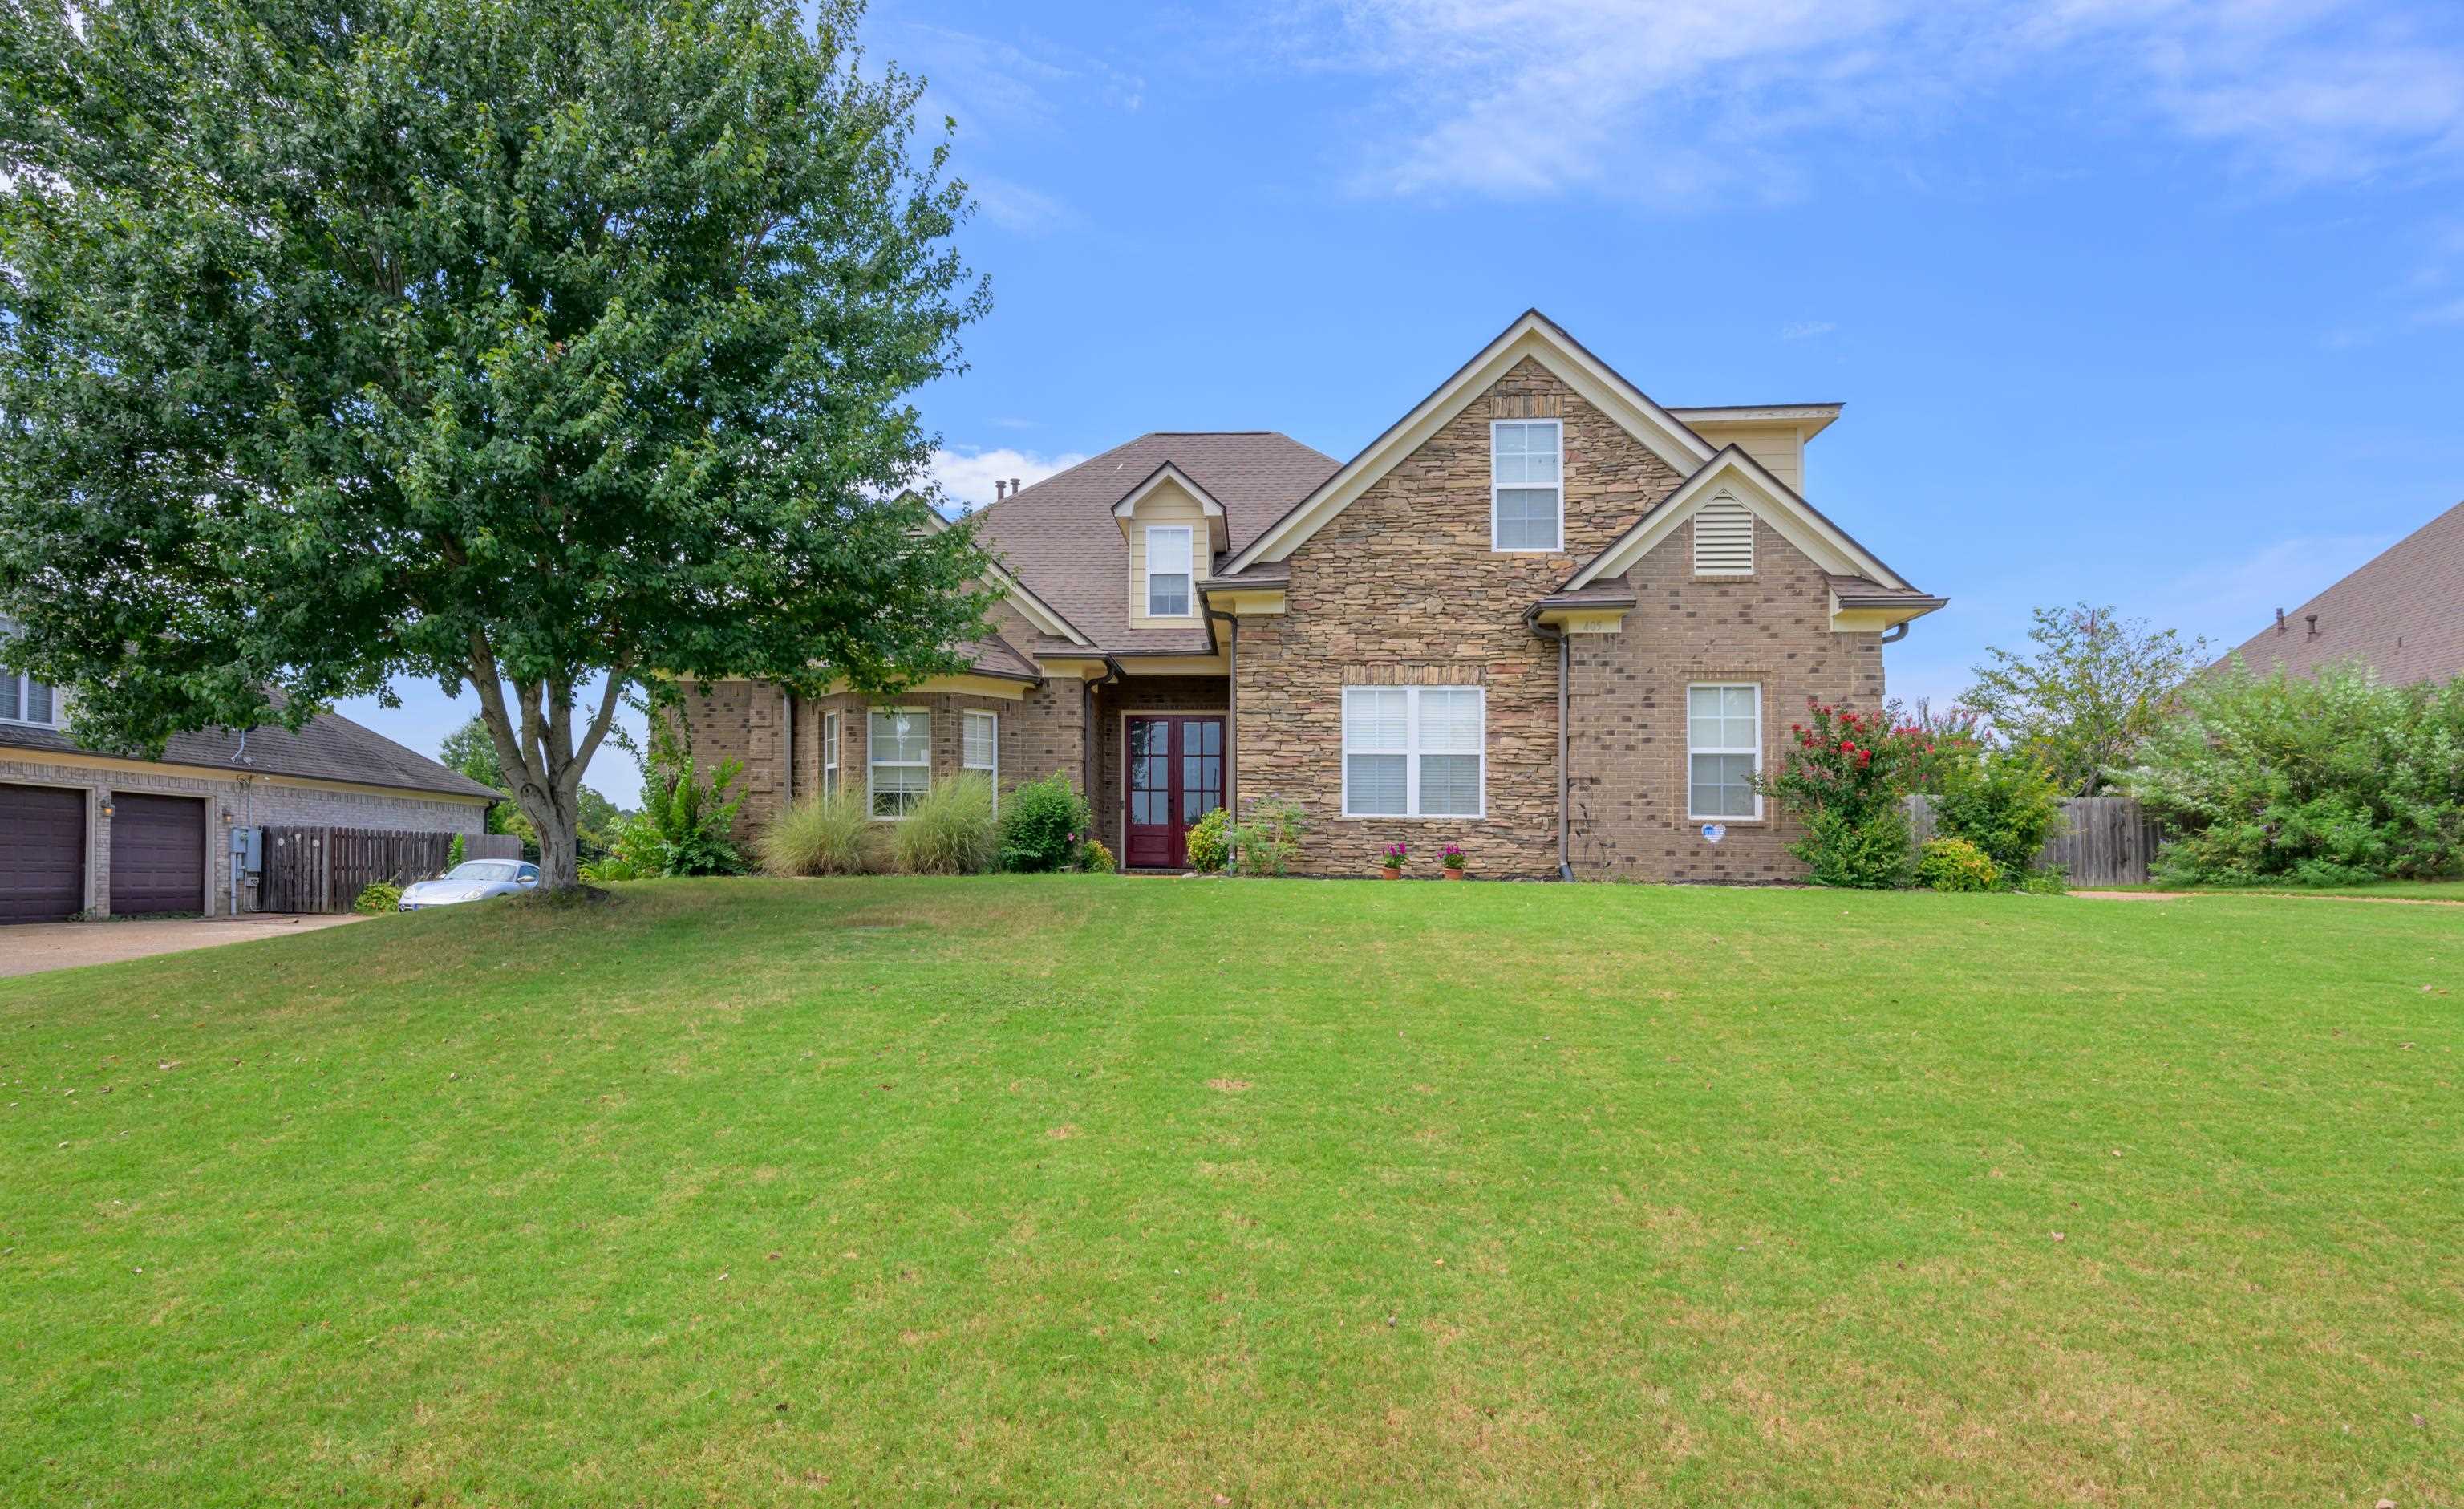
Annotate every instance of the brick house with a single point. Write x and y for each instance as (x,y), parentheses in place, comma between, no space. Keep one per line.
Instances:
(83,832)
(1540,616)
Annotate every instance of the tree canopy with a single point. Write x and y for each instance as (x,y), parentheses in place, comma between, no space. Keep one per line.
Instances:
(503,344)
(2093,689)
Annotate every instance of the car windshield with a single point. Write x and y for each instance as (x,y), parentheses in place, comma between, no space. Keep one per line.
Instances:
(484,870)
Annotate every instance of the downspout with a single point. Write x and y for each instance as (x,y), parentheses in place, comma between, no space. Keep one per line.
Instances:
(787,775)
(1089,733)
(1897,631)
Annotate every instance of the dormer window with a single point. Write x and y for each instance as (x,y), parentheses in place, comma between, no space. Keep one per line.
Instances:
(1168,557)
(1526,495)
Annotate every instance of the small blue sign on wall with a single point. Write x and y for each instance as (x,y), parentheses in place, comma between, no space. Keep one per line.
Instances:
(1713,833)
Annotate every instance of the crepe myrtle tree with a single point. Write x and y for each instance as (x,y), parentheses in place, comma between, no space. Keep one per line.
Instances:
(516,345)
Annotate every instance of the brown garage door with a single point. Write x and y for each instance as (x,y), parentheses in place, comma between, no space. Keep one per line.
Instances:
(157,855)
(42,854)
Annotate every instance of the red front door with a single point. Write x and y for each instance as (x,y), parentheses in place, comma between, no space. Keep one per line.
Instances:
(1175,777)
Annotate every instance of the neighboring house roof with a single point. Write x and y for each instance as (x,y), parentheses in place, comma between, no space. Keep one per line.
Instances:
(2399,611)
(1060,537)
(329,748)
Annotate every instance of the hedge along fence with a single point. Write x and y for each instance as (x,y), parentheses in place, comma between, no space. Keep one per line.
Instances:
(2104,840)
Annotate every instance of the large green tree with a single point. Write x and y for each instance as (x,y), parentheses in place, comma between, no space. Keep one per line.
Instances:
(516,345)
(2091,692)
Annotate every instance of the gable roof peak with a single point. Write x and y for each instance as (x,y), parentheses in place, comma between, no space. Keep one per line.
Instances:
(1531,335)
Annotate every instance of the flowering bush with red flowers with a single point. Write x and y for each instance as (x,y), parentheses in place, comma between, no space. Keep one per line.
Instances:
(1845,775)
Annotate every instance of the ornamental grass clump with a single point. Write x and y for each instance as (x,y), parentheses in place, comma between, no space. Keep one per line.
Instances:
(949,832)
(819,835)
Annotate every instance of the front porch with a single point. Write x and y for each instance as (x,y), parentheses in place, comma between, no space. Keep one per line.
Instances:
(1163,759)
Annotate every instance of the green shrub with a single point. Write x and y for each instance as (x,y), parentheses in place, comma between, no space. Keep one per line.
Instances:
(2047,881)
(949,832)
(2005,802)
(1042,823)
(1098,860)
(1954,864)
(818,836)
(377,898)
(453,851)
(1210,841)
(1845,779)
(1270,841)
(609,868)
(2324,781)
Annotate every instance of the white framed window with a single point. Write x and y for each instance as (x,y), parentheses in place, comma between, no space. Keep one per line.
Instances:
(23,699)
(898,759)
(1526,486)
(1724,749)
(1415,751)
(979,747)
(829,754)
(1168,555)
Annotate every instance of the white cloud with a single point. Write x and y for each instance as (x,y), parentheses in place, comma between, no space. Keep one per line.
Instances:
(1666,99)
(967,475)
(1806,329)
(1015,206)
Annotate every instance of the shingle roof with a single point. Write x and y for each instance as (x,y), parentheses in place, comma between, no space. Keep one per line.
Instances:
(2398,611)
(329,748)
(1060,538)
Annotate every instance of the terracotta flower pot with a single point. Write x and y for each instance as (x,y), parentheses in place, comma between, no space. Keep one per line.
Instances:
(1454,875)
(1391,873)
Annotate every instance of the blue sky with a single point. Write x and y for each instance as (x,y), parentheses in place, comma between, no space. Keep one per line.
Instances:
(2159,304)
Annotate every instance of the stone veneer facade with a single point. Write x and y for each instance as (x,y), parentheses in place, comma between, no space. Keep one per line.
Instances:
(1403,587)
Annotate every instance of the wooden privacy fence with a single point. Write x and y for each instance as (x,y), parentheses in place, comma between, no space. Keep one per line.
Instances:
(325,869)
(2104,840)
(492,846)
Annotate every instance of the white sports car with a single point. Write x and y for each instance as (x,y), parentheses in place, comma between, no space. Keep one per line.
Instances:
(471,880)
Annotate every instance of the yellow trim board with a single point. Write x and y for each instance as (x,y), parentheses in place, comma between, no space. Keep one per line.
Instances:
(971,686)
(1584,620)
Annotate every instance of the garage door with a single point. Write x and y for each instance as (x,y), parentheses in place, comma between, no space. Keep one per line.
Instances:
(157,855)
(42,854)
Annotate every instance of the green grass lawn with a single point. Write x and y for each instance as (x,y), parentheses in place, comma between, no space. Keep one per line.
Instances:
(2374,890)
(1112,1192)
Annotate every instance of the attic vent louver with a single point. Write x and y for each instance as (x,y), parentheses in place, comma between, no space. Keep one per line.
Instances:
(1724,539)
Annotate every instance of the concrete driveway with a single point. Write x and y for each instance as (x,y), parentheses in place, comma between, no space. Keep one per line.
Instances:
(33,948)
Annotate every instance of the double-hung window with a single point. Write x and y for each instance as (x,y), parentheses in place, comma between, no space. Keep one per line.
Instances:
(1415,751)
(1724,749)
(979,747)
(898,759)
(23,699)
(1526,495)
(1168,556)
(829,754)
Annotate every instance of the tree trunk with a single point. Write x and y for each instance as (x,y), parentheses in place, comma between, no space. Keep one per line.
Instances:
(558,841)
(540,758)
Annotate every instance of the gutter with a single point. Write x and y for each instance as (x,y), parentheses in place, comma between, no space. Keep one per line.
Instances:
(1089,734)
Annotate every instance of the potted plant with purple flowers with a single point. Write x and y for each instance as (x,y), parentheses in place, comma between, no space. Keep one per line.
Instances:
(1390,860)
(1453,858)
